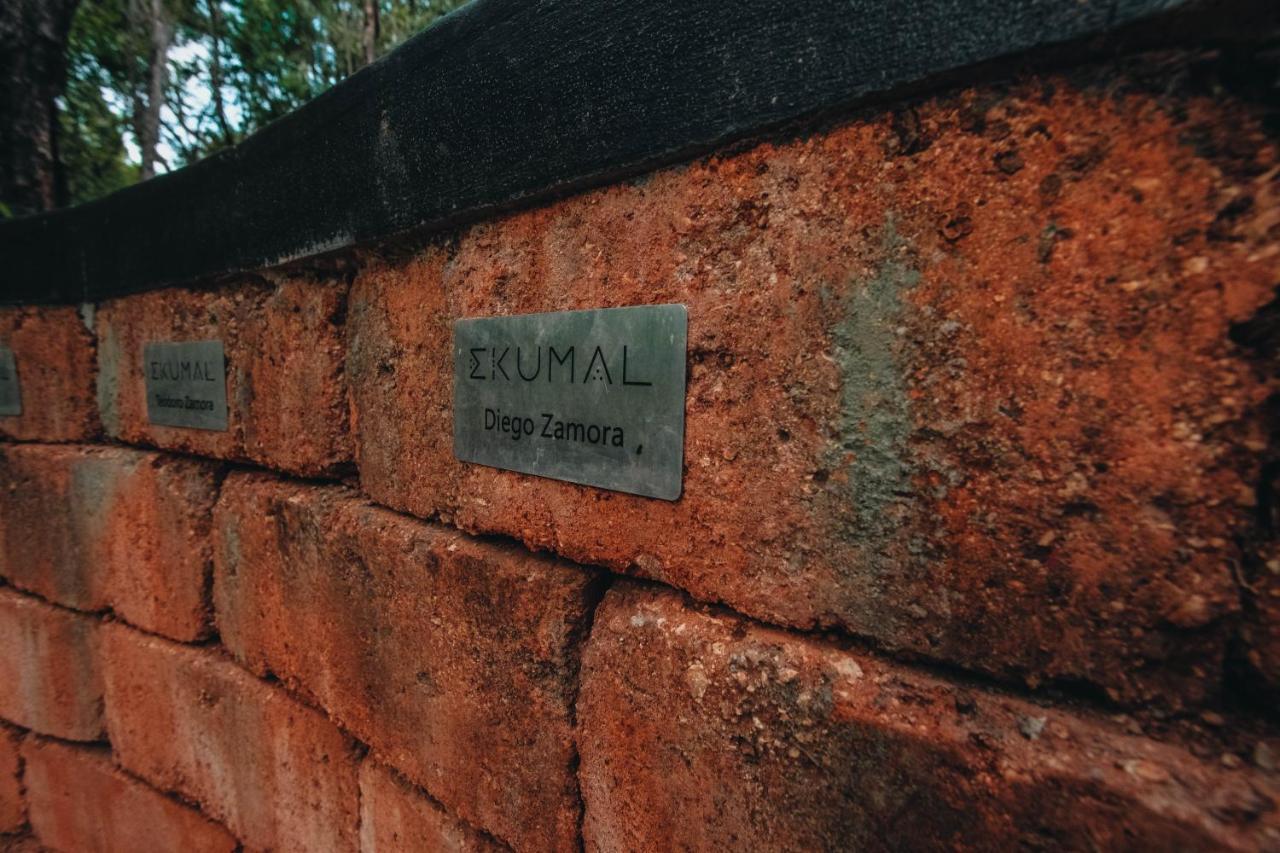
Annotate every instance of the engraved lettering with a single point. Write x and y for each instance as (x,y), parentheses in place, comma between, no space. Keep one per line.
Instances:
(497,365)
(599,373)
(594,397)
(186,384)
(553,357)
(626,381)
(536,371)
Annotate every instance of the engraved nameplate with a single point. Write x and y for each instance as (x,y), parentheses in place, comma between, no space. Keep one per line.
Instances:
(10,395)
(592,397)
(186,384)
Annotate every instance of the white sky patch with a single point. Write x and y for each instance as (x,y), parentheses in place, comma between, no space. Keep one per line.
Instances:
(196,99)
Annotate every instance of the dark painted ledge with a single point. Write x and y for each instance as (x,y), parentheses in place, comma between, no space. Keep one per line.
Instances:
(506,102)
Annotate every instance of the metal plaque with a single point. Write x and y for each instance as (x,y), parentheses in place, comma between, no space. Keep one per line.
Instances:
(186,384)
(592,397)
(10,395)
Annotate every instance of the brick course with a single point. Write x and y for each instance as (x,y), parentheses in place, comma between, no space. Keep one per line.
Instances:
(394,817)
(54,355)
(79,801)
(962,384)
(12,808)
(276,772)
(453,659)
(701,730)
(50,680)
(286,392)
(981,453)
(106,527)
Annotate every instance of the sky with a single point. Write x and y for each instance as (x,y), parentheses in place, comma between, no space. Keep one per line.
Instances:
(196,97)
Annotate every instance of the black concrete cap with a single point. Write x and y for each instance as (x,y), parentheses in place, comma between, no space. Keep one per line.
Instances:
(509,101)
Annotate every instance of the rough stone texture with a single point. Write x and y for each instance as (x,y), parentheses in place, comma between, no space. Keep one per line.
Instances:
(1261,630)
(960,376)
(107,527)
(54,354)
(394,817)
(79,801)
(12,809)
(49,668)
(276,772)
(701,730)
(24,843)
(286,391)
(455,660)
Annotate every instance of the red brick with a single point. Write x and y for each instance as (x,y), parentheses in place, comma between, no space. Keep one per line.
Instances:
(286,392)
(700,730)
(395,817)
(1261,630)
(108,527)
(991,418)
(12,809)
(276,772)
(79,801)
(455,660)
(53,351)
(49,668)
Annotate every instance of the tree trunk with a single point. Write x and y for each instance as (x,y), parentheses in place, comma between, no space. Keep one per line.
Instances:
(215,71)
(151,23)
(372,26)
(33,74)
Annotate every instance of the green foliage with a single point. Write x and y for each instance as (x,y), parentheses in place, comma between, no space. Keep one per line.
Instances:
(268,57)
(91,145)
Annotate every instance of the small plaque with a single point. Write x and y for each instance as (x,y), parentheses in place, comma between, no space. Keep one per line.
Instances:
(186,384)
(592,397)
(10,395)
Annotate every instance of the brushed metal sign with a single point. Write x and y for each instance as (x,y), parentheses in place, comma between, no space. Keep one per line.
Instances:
(10,393)
(593,397)
(186,384)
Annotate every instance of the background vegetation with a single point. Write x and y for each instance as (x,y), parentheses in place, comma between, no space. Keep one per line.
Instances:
(152,85)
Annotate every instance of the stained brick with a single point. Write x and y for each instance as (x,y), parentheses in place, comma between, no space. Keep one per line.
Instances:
(928,403)
(286,392)
(54,355)
(701,730)
(454,659)
(276,772)
(49,668)
(108,527)
(79,801)
(396,818)
(12,808)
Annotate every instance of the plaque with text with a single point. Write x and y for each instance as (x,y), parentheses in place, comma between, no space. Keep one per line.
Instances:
(186,384)
(10,395)
(592,397)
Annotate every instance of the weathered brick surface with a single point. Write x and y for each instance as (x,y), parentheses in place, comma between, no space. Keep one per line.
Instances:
(276,772)
(960,377)
(79,801)
(1261,630)
(98,527)
(49,668)
(286,391)
(12,808)
(700,730)
(454,659)
(396,818)
(53,350)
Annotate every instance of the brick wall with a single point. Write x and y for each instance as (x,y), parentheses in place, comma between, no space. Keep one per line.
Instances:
(976,546)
